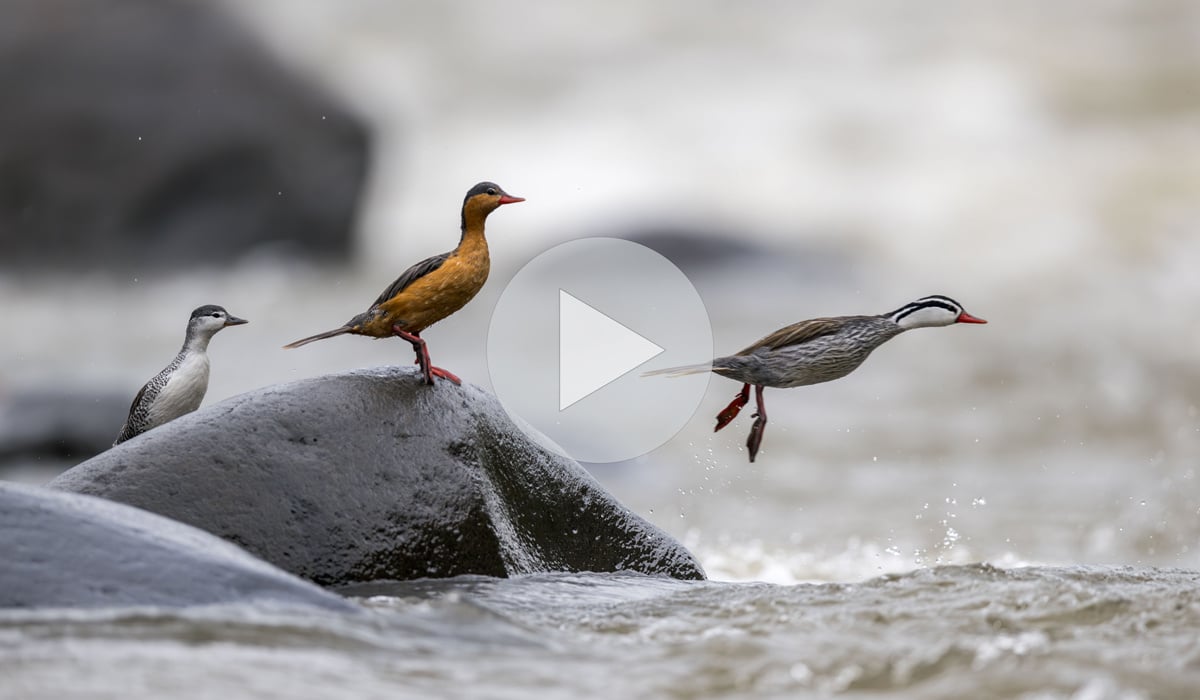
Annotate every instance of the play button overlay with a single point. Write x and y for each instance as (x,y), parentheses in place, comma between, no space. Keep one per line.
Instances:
(574,331)
(593,350)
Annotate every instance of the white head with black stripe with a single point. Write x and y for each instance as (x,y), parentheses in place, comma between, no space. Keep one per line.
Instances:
(935,310)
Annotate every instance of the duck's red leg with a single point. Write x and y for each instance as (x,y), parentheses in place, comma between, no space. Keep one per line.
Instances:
(734,408)
(422,350)
(760,423)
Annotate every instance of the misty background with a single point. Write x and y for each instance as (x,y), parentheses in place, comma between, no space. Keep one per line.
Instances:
(1040,163)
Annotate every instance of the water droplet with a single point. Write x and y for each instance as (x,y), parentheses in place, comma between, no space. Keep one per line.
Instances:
(800,673)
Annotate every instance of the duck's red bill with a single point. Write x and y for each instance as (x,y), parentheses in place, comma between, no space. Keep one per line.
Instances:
(509,199)
(965,317)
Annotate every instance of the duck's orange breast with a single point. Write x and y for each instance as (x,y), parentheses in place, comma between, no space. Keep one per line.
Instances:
(439,293)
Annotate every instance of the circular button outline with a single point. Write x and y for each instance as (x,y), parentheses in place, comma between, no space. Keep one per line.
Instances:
(637,287)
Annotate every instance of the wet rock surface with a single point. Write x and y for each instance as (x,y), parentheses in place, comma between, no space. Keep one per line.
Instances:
(372,475)
(67,550)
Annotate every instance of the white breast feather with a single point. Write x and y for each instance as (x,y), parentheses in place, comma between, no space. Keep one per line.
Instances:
(183,392)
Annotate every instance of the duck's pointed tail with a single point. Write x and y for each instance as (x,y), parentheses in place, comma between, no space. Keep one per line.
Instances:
(680,371)
(320,336)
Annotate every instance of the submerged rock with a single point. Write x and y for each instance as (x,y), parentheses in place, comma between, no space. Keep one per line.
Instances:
(66,550)
(372,475)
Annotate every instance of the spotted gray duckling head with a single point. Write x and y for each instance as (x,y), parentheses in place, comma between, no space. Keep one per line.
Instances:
(204,323)
(935,310)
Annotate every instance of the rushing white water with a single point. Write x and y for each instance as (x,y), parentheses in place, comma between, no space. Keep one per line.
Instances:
(935,633)
(1038,162)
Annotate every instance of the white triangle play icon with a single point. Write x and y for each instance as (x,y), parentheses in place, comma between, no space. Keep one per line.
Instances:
(593,350)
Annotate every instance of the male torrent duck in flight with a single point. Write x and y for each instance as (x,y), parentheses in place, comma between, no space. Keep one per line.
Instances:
(815,351)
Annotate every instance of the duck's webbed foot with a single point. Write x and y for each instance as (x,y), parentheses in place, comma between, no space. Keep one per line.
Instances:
(444,374)
(428,371)
(731,411)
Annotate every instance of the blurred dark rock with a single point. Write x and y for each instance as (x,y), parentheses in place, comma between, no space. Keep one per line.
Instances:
(372,475)
(690,249)
(159,132)
(59,424)
(66,550)
(701,251)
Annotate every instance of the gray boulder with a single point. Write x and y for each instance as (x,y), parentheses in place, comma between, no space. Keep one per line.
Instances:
(66,550)
(159,132)
(372,475)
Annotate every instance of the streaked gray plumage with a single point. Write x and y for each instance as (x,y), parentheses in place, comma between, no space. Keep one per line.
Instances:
(809,352)
(180,387)
(815,351)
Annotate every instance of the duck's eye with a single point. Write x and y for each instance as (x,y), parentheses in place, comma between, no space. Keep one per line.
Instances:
(216,314)
(492,190)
